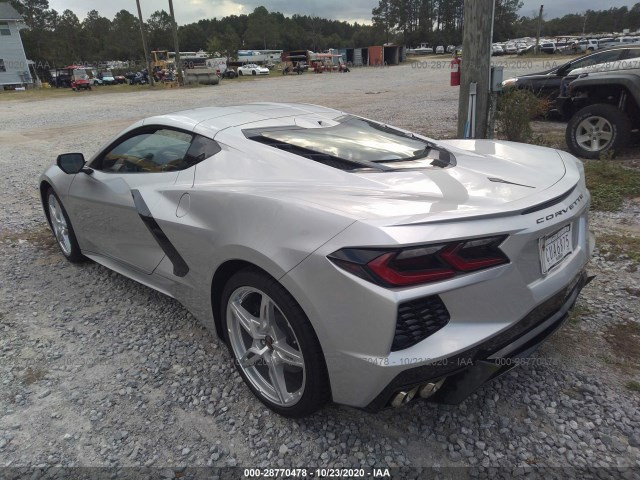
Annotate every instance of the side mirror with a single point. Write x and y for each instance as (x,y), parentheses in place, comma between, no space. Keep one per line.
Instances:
(71,163)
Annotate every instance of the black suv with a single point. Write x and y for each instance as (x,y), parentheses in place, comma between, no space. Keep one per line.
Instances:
(547,84)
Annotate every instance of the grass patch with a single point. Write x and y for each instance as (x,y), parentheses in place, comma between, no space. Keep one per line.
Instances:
(617,244)
(39,236)
(610,183)
(633,386)
(578,312)
(624,339)
(32,375)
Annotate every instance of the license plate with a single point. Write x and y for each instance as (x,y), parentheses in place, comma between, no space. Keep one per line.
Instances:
(554,248)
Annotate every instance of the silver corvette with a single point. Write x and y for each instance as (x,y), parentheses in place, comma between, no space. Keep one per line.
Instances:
(339,258)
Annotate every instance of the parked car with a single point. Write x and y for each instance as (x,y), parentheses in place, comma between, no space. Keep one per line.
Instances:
(451,48)
(107,78)
(267,221)
(252,69)
(511,49)
(589,45)
(547,84)
(526,50)
(603,108)
(497,50)
(548,47)
(440,50)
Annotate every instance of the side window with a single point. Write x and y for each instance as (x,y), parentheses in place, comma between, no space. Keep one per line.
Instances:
(596,59)
(201,149)
(161,150)
(631,53)
(4,29)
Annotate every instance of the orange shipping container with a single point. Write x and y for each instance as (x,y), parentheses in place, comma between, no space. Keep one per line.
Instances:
(376,56)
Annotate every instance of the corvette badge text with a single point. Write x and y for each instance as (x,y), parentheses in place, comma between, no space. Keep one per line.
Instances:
(551,216)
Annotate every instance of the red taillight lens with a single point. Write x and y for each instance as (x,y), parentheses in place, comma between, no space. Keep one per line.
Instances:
(419,265)
(474,254)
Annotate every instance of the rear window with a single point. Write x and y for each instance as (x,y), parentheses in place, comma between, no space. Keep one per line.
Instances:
(355,143)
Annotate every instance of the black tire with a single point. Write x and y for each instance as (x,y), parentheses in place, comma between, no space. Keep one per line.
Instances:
(73,255)
(240,73)
(253,72)
(612,121)
(316,391)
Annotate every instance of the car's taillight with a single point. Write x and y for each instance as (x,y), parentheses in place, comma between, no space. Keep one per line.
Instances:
(424,264)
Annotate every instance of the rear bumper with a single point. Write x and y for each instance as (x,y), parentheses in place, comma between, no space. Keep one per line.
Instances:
(466,371)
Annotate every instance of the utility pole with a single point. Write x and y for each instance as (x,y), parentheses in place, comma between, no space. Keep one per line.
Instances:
(144,45)
(174,27)
(473,106)
(584,24)
(539,30)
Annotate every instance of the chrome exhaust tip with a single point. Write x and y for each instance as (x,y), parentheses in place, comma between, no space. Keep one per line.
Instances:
(398,399)
(428,389)
(402,398)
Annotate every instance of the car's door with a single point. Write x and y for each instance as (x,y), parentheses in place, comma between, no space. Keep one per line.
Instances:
(102,205)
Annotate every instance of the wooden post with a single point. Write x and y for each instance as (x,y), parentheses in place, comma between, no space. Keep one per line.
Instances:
(476,64)
(537,50)
(144,45)
(174,27)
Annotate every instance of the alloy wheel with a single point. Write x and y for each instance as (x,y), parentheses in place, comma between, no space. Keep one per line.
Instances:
(59,225)
(265,346)
(594,133)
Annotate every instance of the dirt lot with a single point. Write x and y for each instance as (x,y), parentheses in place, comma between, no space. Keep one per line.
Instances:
(96,370)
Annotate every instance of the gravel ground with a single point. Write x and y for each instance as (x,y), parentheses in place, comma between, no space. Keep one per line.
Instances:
(97,370)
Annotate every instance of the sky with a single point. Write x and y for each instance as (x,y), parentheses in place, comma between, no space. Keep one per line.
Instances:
(188,11)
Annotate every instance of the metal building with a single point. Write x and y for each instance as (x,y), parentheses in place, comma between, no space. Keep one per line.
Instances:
(14,68)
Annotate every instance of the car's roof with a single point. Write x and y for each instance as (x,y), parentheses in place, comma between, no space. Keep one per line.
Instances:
(210,120)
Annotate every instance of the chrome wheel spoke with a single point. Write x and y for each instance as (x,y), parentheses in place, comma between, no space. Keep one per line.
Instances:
(606,136)
(248,321)
(583,139)
(287,354)
(601,124)
(252,356)
(278,382)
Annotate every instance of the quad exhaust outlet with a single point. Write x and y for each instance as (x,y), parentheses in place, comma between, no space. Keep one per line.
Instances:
(424,391)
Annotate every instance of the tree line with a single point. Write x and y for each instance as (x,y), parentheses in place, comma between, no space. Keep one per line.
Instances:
(62,38)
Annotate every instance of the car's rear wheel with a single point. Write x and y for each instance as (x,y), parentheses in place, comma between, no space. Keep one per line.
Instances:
(253,72)
(62,229)
(273,344)
(596,130)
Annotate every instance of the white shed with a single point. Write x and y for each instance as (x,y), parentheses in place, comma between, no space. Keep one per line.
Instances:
(14,68)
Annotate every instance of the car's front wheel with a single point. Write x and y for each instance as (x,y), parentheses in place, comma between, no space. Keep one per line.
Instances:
(62,229)
(273,344)
(240,73)
(596,130)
